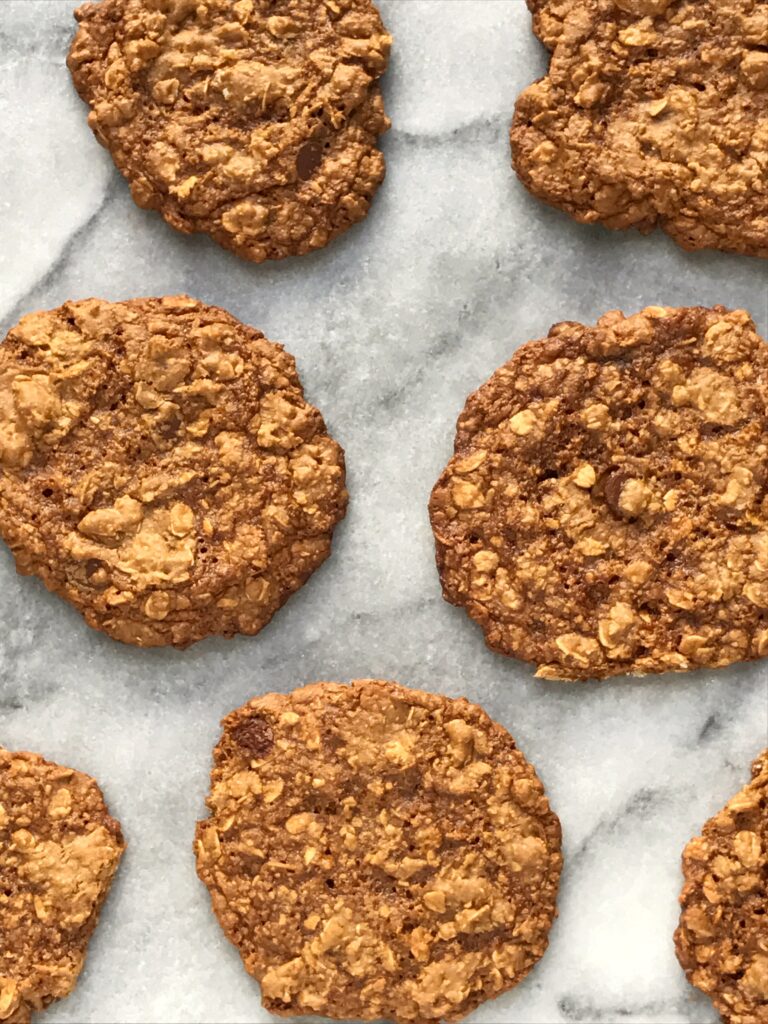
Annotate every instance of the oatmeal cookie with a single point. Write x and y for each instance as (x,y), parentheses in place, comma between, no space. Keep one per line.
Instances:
(653,112)
(161,469)
(256,121)
(378,852)
(59,849)
(722,941)
(605,510)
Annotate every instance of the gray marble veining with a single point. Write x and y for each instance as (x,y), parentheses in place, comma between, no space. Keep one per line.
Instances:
(392,326)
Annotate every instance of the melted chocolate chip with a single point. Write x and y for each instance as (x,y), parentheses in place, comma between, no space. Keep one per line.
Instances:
(308,159)
(612,488)
(95,574)
(255,735)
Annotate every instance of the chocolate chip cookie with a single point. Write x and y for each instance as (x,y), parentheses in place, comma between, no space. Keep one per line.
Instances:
(256,121)
(722,941)
(59,849)
(161,469)
(653,112)
(378,852)
(605,510)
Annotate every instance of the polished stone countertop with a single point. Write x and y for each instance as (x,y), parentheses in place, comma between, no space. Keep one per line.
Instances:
(392,326)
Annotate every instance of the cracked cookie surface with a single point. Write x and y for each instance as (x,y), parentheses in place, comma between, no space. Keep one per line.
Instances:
(59,849)
(161,469)
(653,112)
(605,510)
(722,941)
(378,852)
(255,121)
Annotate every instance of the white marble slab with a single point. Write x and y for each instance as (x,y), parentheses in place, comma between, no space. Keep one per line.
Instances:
(392,326)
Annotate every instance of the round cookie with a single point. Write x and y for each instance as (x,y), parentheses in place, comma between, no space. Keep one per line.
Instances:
(652,113)
(255,121)
(160,468)
(378,852)
(722,941)
(605,510)
(59,849)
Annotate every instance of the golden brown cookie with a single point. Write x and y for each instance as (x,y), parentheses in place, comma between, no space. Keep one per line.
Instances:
(653,112)
(378,852)
(160,468)
(722,941)
(59,849)
(605,511)
(255,121)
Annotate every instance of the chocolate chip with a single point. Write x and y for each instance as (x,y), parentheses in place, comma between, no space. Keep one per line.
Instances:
(612,488)
(255,736)
(169,424)
(308,159)
(95,573)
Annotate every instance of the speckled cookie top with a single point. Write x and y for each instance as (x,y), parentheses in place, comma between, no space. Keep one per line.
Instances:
(378,852)
(59,849)
(722,941)
(605,510)
(256,121)
(652,112)
(160,468)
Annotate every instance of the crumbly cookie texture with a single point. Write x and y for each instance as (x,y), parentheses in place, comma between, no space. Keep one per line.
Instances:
(605,511)
(722,941)
(653,112)
(160,468)
(378,852)
(59,849)
(256,121)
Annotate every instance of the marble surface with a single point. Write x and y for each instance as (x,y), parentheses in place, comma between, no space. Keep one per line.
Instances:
(392,326)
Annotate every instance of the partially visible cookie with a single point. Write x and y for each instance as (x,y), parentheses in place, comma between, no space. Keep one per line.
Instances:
(653,112)
(378,852)
(59,849)
(255,121)
(722,941)
(605,510)
(161,469)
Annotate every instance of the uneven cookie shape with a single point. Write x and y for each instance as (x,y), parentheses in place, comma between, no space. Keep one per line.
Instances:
(653,112)
(605,511)
(59,849)
(256,121)
(378,852)
(722,941)
(160,468)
